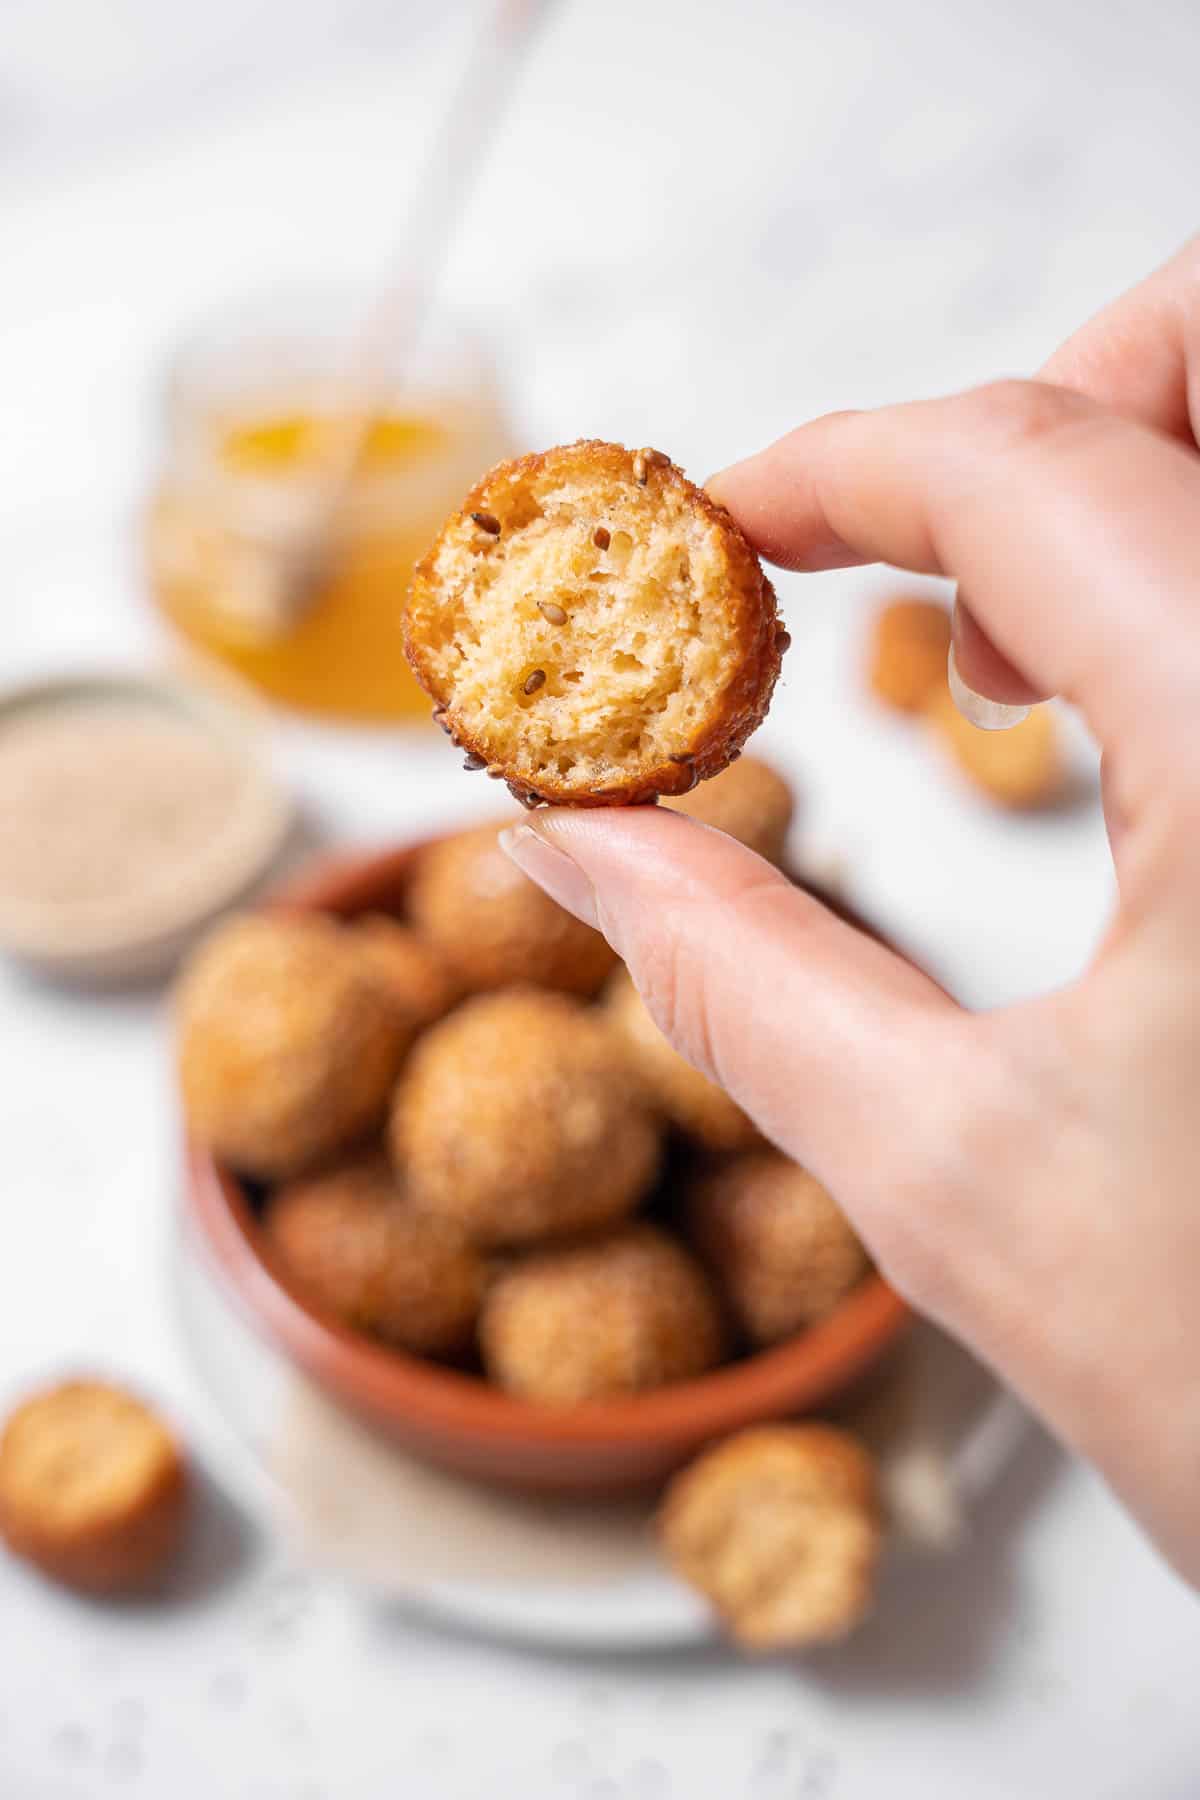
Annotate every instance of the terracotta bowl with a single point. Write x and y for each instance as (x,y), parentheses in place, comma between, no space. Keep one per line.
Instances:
(455,1418)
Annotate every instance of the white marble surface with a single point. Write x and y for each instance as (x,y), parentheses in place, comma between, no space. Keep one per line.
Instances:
(707,223)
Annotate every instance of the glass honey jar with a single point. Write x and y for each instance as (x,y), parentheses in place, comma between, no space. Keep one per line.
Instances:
(253,405)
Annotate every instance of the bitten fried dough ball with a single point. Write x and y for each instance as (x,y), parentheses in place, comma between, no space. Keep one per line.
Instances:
(494,927)
(779,1529)
(1022,768)
(689,1100)
(611,1315)
(416,978)
(779,1246)
(750,801)
(351,1239)
(288,1048)
(518,1119)
(910,642)
(93,1487)
(593,628)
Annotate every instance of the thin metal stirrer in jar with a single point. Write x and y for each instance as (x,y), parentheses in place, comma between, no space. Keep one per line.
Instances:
(287,576)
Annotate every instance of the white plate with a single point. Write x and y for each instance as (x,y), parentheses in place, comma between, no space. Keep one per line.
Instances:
(252,1387)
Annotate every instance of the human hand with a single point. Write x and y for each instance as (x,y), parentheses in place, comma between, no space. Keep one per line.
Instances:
(1028,1177)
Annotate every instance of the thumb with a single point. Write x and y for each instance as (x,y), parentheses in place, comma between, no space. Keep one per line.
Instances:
(824,1036)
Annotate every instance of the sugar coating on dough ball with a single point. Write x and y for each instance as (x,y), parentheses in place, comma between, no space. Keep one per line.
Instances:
(494,927)
(415,977)
(93,1487)
(616,1314)
(352,1241)
(518,1118)
(593,628)
(779,1529)
(780,1247)
(288,1050)
(691,1102)
(750,801)
(908,651)
(1022,768)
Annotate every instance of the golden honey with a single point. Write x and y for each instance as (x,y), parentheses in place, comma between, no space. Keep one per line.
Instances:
(244,469)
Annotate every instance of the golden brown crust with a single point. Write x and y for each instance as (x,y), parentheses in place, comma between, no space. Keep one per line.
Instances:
(288,1046)
(779,1528)
(777,1243)
(756,639)
(93,1487)
(1022,768)
(909,645)
(692,1103)
(517,1118)
(352,1241)
(614,1314)
(750,801)
(413,974)
(494,927)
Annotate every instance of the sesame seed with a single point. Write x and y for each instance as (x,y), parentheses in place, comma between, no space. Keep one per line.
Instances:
(552,612)
(488,522)
(647,459)
(783,641)
(535,681)
(601,537)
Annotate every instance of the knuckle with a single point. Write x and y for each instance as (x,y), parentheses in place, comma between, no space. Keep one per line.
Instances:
(1020,414)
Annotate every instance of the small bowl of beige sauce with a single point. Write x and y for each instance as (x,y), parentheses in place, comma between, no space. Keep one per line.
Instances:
(132,811)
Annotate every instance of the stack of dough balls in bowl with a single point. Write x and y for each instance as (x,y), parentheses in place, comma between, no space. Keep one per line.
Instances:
(466,1136)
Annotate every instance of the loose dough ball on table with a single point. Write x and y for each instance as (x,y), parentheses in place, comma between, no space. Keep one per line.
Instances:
(909,647)
(611,1315)
(1022,768)
(413,974)
(519,1119)
(779,1529)
(494,927)
(93,1487)
(750,801)
(691,1102)
(593,628)
(352,1240)
(779,1246)
(288,1048)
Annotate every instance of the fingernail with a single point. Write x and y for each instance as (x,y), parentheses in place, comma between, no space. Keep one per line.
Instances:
(553,871)
(977,709)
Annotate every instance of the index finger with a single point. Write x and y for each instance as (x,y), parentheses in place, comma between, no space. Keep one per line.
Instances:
(1075,532)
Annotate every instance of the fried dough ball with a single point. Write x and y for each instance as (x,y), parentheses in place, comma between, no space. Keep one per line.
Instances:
(779,1529)
(1022,768)
(351,1239)
(93,1487)
(750,801)
(689,1100)
(518,1119)
(779,1246)
(415,976)
(613,1314)
(909,646)
(495,927)
(593,628)
(288,1048)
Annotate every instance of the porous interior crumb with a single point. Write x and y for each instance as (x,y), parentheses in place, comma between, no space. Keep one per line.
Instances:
(589,636)
(82,1453)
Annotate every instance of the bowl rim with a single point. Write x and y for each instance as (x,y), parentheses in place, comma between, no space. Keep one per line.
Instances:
(395,1384)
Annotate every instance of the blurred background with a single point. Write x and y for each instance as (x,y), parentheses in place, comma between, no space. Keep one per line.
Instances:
(696,226)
